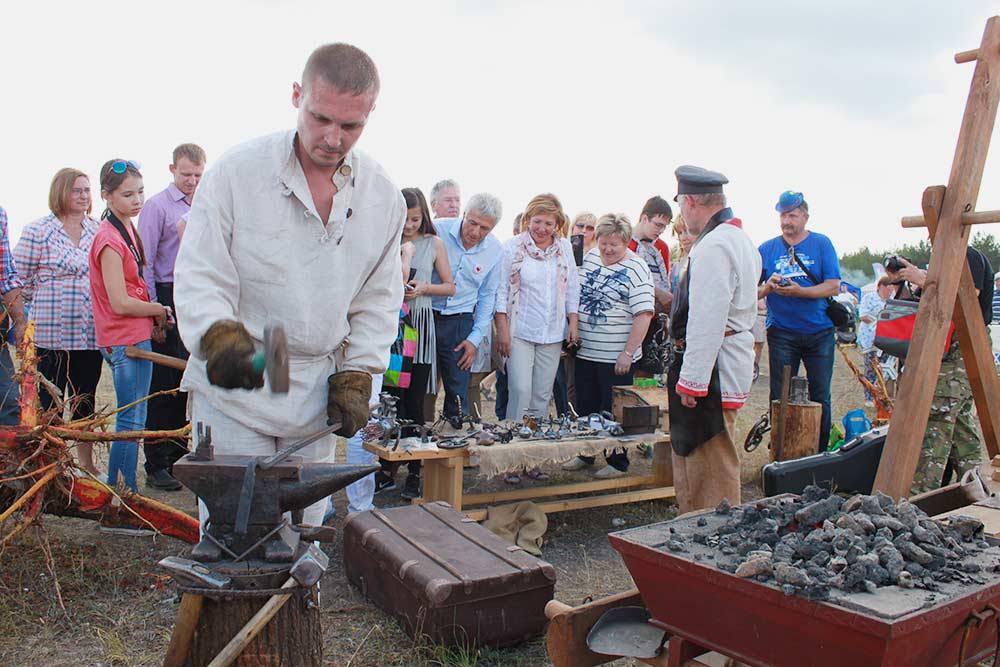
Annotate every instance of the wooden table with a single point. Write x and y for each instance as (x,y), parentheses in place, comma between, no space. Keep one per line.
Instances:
(442,480)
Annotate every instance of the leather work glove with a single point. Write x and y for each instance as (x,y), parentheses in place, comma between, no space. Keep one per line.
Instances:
(347,401)
(229,352)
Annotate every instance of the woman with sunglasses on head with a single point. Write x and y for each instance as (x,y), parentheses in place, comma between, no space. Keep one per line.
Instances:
(52,257)
(123,314)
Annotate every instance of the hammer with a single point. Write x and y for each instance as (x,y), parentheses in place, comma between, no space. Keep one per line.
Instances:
(272,361)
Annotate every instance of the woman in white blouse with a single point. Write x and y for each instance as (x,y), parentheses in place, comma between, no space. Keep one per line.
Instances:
(536,308)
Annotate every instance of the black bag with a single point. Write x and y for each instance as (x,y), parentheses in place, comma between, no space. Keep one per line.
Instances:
(839,314)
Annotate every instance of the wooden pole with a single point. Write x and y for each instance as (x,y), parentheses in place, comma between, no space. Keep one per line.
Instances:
(937,304)
(977,218)
(973,337)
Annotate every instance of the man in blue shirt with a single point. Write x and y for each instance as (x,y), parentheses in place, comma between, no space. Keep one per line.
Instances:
(798,329)
(462,320)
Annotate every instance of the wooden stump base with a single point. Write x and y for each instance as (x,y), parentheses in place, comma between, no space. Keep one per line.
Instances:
(801,428)
(293,638)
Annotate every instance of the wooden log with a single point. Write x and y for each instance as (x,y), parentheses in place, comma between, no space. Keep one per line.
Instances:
(293,638)
(801,429)
(937,304)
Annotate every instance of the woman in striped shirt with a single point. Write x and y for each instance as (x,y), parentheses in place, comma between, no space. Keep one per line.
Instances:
(616,307)
(52,259)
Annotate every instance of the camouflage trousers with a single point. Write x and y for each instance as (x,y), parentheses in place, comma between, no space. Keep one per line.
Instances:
(952,434)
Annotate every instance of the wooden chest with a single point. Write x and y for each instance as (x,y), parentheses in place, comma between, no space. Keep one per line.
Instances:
(445,577)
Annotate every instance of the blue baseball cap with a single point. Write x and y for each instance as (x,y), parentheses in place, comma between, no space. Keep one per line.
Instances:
(789,201)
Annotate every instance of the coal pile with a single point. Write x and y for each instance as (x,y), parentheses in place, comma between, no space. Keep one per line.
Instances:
(819,543)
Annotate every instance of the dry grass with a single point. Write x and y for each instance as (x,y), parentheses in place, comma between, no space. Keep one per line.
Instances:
(120,609)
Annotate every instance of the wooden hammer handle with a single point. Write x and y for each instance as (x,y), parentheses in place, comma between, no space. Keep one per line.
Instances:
(138,353)
(232,650)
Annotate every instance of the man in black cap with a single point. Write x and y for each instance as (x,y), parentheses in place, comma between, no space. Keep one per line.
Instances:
(711,319)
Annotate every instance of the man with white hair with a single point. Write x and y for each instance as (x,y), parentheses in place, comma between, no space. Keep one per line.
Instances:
(446,199)
(462,320)
(710,323)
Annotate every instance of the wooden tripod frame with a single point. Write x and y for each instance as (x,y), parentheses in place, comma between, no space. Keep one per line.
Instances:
(948,292)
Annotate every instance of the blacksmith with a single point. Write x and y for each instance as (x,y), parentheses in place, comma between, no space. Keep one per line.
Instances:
(301,229)
(711,319)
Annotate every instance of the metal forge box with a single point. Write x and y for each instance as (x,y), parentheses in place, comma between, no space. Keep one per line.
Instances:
(759,625)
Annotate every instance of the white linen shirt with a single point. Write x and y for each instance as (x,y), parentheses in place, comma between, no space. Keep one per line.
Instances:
(541,316)
(724,267)
(255,250)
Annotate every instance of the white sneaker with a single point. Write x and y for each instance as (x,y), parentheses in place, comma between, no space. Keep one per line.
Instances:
(576,464)
(869,404)
(609,472)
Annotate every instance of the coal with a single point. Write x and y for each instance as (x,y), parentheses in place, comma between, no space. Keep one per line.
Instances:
(819,543)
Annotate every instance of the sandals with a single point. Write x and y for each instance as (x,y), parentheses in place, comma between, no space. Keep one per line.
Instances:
(537,475)
(512,478)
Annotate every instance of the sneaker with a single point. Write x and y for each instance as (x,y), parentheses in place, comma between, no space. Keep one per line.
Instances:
(869,404)
(384,482)
(576,464)
(135,531)
(161,479)
(512,478)
(411,487)
(609,472)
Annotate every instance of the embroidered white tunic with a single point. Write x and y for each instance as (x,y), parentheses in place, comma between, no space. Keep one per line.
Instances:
(255,250)
(725,267)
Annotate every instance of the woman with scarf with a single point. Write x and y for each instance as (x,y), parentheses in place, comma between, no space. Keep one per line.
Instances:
(536,309)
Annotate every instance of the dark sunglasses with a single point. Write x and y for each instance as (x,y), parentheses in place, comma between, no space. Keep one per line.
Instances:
(121,166)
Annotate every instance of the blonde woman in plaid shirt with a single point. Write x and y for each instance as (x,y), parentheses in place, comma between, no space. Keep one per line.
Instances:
(52,260)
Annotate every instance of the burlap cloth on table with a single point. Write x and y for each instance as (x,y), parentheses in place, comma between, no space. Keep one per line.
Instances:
(519,455)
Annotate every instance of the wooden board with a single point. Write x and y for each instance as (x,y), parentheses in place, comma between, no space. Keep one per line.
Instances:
(593,501)
(937,303)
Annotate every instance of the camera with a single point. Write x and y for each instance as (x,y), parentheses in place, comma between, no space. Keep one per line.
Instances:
(893,263)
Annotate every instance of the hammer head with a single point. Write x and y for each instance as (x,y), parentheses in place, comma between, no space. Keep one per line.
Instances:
(276,358)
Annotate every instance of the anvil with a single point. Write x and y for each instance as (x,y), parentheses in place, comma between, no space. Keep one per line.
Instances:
(290,485)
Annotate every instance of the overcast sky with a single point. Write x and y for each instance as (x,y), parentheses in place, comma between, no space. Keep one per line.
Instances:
(856,104)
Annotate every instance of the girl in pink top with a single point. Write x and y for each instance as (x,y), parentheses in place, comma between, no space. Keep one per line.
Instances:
(123,314)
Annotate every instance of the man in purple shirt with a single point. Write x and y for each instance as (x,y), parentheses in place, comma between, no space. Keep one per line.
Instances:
(158,228)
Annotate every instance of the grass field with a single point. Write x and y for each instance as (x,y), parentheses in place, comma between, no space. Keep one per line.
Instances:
(72,596)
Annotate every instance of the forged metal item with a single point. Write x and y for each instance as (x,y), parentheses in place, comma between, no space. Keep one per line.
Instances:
(756,434)
(626,631)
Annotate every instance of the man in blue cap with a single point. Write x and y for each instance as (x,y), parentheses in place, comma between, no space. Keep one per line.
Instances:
(711,317)
(800,272)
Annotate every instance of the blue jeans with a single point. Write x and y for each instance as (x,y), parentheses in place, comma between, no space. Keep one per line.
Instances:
(815,351)
(10,392)
(450,330)
(131,378)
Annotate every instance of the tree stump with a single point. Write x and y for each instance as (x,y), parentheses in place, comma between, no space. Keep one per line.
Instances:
(293,638)
(801,428)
